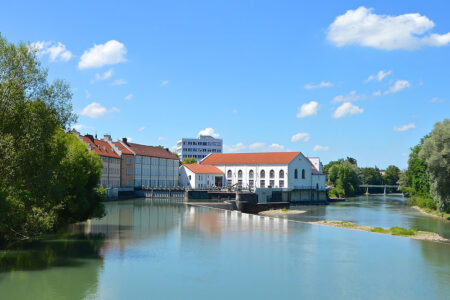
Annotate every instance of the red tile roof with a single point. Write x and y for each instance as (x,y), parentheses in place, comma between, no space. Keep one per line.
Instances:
(203,169)
(122,148)
(264,158)
(151,151)
(100,147)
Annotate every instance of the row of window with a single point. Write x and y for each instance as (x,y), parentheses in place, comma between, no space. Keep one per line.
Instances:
(155,171)
(201,150)
(262,183)
(154,161)
(201,143)
(153,183)
(262,174)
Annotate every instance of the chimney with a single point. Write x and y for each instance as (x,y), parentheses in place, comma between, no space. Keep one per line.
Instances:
(107,138)
(89,136)
(125,140)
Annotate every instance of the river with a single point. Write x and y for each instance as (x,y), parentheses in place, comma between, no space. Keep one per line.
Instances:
(147,249)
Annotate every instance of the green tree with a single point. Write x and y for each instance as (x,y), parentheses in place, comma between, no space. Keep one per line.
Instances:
(189,160)
(415,180)
(391,175)
(435,153)
(344,177)
(37,194)
(371,176)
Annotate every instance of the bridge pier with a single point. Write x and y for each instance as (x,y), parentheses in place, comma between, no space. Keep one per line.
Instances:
(367,190)
(384,190)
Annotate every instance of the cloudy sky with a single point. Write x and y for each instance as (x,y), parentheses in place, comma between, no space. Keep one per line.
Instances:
(365,79)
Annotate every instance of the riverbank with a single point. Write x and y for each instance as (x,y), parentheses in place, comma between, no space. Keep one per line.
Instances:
(397,231)
(433,213)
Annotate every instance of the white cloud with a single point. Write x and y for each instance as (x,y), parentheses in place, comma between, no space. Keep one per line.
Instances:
(119,82)
(364,28)
(110,53)
(323,84)
(128,97)
(162,138)
(376,93)
(436,100)
(129,139)
(141,128)
(347,108)
(308,109)
(301,136)
(208,131)
(88,95)
(79,127)
(234,148)
(379,76)
(55,51)
(104,76)
(398,86)
(320,148)
(352,96)
(405,127)
(165,82)
(96,110)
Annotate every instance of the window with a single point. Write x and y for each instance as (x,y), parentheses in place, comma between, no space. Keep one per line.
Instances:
(229,182)
(251,183)
(272,174)
(240,183)
(190,177)
(240,174)
(281,184)
(262,174)
(303,174)
(128,161)
(272,183)
(251,174)
(129,171)
(295,173)
(262,183)
(229,174)
(281,174)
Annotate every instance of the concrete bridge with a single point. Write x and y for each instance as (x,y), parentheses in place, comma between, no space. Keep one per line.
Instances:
(384,186)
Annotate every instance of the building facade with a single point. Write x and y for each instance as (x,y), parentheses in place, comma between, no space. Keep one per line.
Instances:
(198,148)
(288,172)
(110,157)
(196,176)
(126,167)
(153,166)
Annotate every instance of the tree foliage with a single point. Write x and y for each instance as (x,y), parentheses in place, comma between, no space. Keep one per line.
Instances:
(343,175)
(47,177)
(391,175)
(189,160)
(435,152)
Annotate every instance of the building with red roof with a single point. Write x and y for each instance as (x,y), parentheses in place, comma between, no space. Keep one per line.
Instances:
(200,176)
(153,166)
(111,158)
(296,177)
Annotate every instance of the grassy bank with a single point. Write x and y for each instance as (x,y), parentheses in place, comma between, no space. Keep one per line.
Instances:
(397,231)
(428,206)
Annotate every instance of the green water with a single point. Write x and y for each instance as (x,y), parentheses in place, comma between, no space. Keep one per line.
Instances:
(154,250)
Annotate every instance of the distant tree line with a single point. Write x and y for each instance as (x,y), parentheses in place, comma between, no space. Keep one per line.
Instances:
(48,177)
(345,177)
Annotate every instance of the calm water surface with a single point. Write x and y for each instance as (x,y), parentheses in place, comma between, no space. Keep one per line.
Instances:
(154,250)
(375,210)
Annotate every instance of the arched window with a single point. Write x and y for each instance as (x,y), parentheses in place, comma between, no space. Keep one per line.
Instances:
(262,174)
(295,173)
(229,174)
(303,174)
(240,174)
(251,174)
(272,174)
(281,174)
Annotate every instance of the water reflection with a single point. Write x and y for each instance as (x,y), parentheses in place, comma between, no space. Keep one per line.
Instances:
(144,249)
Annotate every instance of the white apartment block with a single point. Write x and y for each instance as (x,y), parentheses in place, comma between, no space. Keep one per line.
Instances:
(198,148)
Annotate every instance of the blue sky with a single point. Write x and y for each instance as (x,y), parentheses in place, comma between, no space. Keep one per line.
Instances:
(263,75)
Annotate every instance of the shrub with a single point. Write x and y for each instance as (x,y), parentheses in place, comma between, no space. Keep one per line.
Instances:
(402,231)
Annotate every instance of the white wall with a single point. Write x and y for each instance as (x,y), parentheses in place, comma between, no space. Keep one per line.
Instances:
(196,181)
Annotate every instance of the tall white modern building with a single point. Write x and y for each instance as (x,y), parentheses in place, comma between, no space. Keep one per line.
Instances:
(198,148)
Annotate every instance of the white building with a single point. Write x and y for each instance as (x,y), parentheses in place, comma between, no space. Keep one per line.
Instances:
(153,166)
(198,148)
(291,173)
(197,176)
